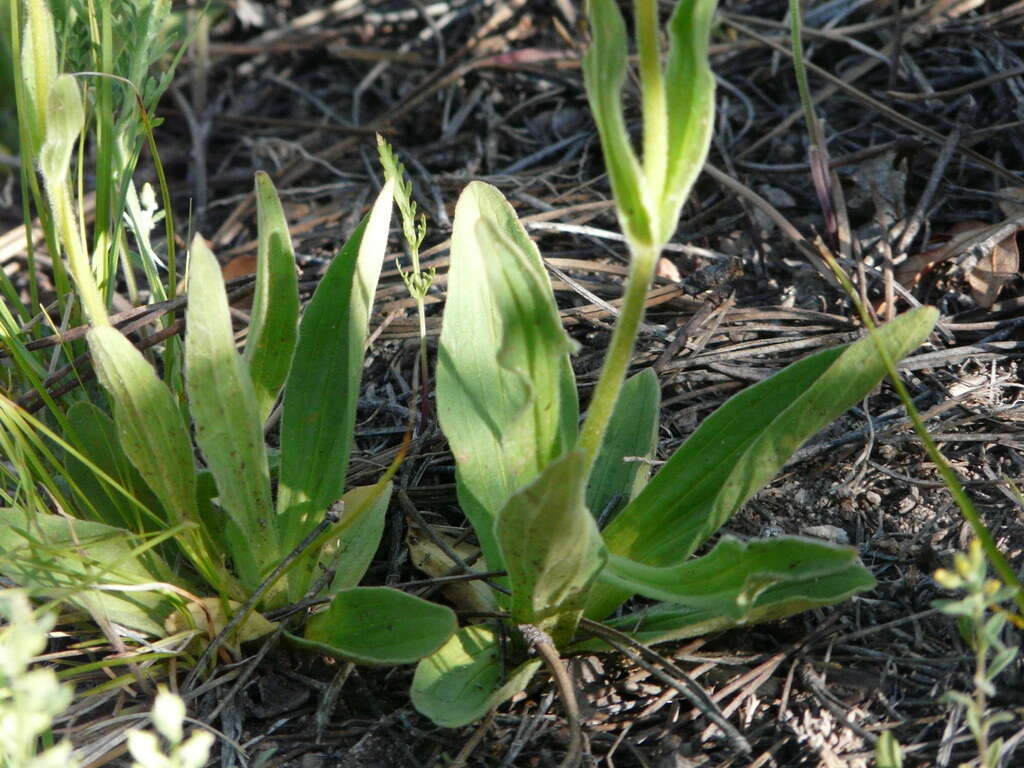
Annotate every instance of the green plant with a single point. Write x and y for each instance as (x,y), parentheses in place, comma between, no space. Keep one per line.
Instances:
(146,533)
(29,698)
(507,403)
(981,618)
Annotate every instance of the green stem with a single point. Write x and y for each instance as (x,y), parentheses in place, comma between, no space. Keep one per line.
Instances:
(967,509)
(620,352)
(70,236)
(800,69)
(653,86)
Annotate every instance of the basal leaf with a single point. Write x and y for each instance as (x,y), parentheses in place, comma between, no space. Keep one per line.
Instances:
(350,552)
(229,429)
(379,625)
(551,548)
(632,432)
(604,72)
(742,445)
(690,101)
(275,306)
(154,437)
(323,386)
(465,679)
(93,434)
(666,621)
(66,558)
(505,390)
(730,579)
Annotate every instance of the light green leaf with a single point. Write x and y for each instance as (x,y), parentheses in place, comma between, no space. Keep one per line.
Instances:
(887,751)
(65,118)
(465,679)
(632,432)
(604,72)
(150,428)
(38,67)
(730,579)
(275,307)
(551,548)
(379,625)
(323,385)
(65,558)
(228,426)
(665,621)
(743,444)
(505,391)
(690,101)
(350,553)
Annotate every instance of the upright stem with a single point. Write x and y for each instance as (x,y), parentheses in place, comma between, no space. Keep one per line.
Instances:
(620,352)
(653,86)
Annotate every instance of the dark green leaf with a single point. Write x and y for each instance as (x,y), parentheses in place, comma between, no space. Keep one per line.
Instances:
(275,306)
(379,625)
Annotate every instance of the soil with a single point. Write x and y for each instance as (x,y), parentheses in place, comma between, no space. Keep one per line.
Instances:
(922,118)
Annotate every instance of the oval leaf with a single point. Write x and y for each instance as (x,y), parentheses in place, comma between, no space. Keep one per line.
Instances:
(465,679)
(379,625)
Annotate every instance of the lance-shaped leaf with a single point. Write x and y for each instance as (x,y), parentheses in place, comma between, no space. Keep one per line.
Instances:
(465,679)
(551,548)
(604,72)
(66,558)
(665,621)
(229,429)
(730,579)
(632,434)
(690,102)
(150,429)
(742,445)
(320,396)
(379,625)
(275,305)
(505,390)
(351,551)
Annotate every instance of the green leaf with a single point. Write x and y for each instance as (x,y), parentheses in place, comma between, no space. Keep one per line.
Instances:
(887,751)
(632,431)
(730,579)
(65,558)
(465,679)
(229,429)
(551,548)
(665,621)
(320,396)
(150,428)
(604,72)
(133,506)
(351,551)
(690,102)
(65,118)
(505,392)
(275,306)
(743,444)
(379,625)
(38,67)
